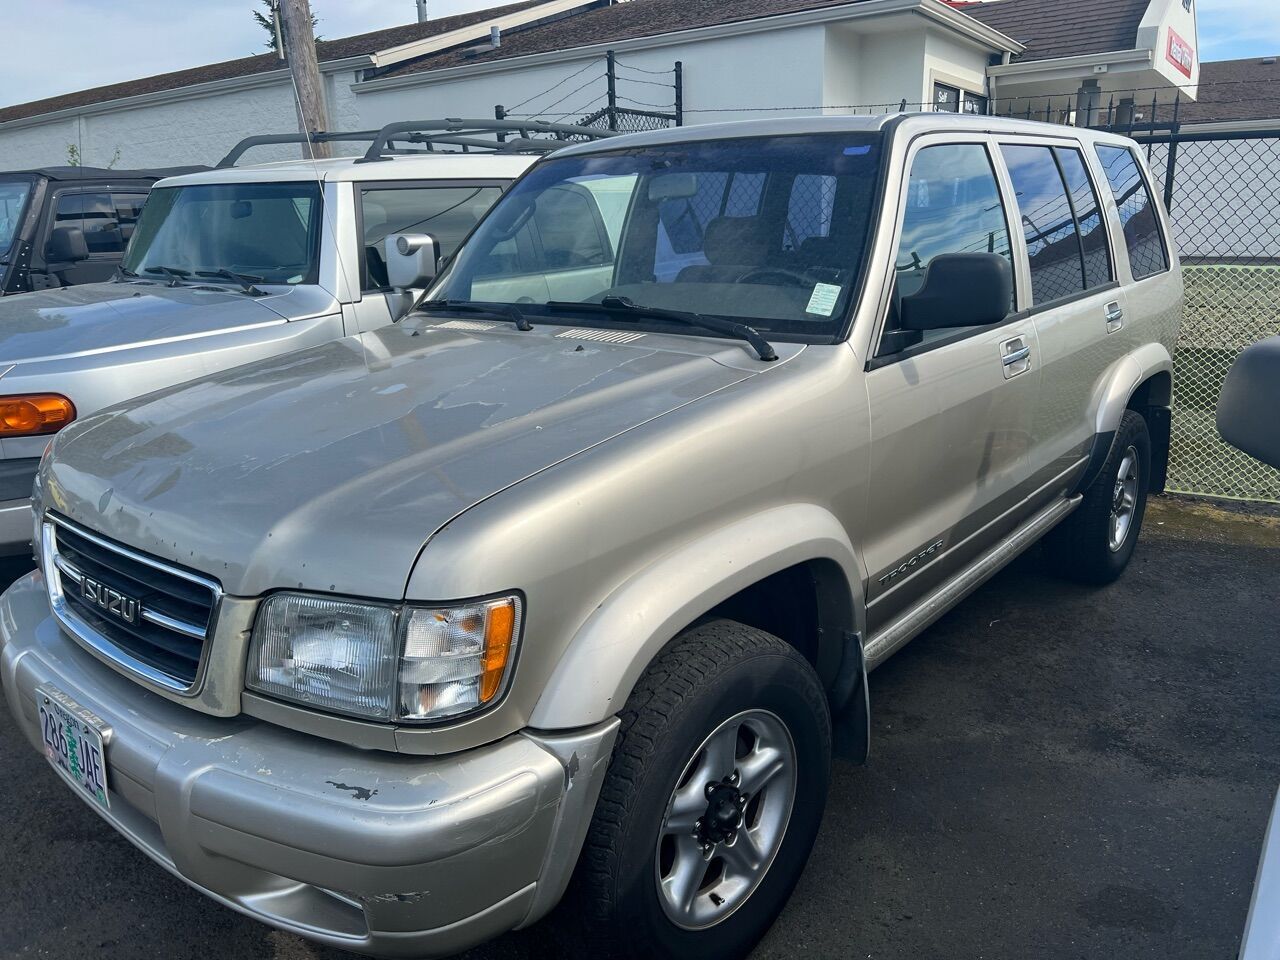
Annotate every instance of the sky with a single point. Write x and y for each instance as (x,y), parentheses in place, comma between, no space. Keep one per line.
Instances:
(73,44)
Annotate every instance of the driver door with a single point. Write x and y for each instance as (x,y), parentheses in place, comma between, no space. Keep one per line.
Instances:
(952,414)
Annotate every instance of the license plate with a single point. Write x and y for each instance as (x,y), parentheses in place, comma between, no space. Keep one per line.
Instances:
(73,744)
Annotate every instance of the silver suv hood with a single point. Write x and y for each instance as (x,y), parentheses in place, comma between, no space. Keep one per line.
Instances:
(328,469)
(98,317)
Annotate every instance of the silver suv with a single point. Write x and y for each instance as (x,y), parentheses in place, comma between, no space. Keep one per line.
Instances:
(551,588)
(241,263)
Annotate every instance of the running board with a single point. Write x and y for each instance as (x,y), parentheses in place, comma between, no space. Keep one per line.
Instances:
(914,621)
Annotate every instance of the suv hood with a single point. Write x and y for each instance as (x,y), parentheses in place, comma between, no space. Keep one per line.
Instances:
(97,317)
(328,469)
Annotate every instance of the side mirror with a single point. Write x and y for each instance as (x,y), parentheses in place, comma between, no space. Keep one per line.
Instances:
(1249,401)
(960,290)
(413,260)
(66,244)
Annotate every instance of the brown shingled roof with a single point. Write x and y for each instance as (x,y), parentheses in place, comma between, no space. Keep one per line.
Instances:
(1235,90)
(622,21)
(327,50)
(1050,30)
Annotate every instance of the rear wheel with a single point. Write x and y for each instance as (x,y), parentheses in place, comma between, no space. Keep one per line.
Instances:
(712,800)
(1095,544)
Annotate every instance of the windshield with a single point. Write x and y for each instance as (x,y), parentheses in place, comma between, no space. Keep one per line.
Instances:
(13,204)
(766,231)
(269,231)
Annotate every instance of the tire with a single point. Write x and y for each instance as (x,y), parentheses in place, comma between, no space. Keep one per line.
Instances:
(1084,547)
(715,675)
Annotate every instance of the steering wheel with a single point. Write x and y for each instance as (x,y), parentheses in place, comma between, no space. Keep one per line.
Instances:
(790,277)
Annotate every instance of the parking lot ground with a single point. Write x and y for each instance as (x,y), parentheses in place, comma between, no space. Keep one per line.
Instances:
(1057,772)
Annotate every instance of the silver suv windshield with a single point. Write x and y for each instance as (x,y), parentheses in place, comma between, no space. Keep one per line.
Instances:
(269,232)
(767,231)
(13,204)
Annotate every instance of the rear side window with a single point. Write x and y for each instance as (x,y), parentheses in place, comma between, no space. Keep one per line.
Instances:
(95,214)
(447,213)
(1147,254)
(1053,246)
(1088,213)
(1066,242)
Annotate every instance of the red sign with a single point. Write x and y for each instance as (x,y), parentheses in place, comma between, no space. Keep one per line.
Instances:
(1180,53)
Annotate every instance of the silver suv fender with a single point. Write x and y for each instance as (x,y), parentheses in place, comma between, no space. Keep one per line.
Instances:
(628,629)
(1123,380)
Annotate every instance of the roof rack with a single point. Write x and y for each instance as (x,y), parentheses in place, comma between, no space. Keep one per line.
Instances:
(463,136)
(266,139)
(532,136)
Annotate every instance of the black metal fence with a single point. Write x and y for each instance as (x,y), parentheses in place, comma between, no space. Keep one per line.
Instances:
(625,98)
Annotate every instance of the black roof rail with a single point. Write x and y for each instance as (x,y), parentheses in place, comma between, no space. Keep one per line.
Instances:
(531,136)
(266,139)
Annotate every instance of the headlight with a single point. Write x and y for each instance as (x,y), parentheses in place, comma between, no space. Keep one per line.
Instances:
(382,661)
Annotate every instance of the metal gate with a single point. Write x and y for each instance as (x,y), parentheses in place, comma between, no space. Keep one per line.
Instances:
(1223,195)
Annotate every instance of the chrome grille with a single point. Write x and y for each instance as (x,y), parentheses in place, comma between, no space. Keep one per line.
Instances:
(149,616)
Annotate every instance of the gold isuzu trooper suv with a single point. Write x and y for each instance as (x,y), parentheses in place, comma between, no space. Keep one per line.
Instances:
(549,590)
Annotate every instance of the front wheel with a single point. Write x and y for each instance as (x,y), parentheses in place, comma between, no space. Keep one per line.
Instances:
(712,800)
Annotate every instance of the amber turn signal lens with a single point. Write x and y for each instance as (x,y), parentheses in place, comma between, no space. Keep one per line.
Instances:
(499,633)
(34,414)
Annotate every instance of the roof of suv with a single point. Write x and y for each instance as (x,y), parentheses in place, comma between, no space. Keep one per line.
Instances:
(795,126)
(443,166)
(102,173)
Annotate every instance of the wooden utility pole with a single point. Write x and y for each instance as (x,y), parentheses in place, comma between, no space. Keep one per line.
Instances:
(300,49)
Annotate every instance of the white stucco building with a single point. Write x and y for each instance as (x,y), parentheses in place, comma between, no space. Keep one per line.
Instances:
(746,58)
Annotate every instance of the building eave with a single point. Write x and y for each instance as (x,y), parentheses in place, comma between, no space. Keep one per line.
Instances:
(1084,63)
(391,56)
(934,10)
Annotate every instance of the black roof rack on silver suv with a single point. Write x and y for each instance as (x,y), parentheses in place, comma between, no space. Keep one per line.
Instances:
(452,133)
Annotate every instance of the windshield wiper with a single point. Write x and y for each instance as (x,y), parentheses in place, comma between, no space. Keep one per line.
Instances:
(612,304)
(124,274)
(175,274)
(508,311)
(246,281)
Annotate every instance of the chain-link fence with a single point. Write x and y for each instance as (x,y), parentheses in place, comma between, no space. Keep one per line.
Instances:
(619,87)
(1223,194)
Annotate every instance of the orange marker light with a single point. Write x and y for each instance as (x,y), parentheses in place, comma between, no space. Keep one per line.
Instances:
(34,414)
(498,637)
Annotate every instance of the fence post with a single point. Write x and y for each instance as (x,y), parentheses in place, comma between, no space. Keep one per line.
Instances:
(679,93)
(612,79)
(1171,164)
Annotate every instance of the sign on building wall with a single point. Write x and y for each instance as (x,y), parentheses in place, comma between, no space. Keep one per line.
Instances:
(1180,53)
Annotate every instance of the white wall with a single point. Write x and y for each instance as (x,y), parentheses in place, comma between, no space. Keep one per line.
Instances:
(763,71)
(195,130)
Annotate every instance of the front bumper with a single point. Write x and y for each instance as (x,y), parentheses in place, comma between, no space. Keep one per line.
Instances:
(367,851)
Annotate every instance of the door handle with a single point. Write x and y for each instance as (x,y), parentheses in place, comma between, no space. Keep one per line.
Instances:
(1115,316)
(1015,357)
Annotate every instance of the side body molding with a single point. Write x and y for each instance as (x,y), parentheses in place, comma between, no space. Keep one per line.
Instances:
(631,626)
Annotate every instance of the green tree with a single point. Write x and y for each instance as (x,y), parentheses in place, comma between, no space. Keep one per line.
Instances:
(267,21)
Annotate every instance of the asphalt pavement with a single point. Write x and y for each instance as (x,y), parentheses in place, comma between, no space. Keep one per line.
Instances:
(1057,772)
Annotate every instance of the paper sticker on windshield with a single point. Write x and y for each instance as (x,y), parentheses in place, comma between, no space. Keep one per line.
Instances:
(823,301)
